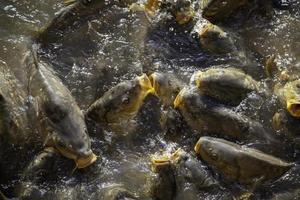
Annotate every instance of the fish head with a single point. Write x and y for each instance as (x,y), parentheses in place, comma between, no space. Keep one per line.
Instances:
(71,137)
(126,99)
(216,152)
(165,87)
(292,97)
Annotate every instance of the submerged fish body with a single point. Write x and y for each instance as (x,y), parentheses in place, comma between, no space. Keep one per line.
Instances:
(216,40)
(19,136)
(122,102)
(75,11)
(229,85)
(287,127)
(218,10)
(118,192)
(240,163)
(62,114)
(179,169)
(14,119)
(289,195)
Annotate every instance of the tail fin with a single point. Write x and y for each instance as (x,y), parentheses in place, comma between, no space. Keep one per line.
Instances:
(3,197)
(30,62)
(270,66)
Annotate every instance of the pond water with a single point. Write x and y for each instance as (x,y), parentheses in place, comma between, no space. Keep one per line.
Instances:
(117,44)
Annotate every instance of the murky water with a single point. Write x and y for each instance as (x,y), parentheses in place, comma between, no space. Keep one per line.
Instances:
(116,45)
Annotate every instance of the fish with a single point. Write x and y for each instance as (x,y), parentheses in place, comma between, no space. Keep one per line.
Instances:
(56,105)
(239,163)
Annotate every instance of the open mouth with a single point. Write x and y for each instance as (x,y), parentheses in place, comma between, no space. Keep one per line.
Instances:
(294,108)
(84,162)
(146,85)
(197,147)
(154,82)
(159,163)
(204,33)
(81,161)
(178,100)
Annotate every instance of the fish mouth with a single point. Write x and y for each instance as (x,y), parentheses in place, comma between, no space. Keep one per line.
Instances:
(154,82)
(198,79)
(81,161)
(84,162)
(178,100)
(146,85)
(143,87)
(293,108)
(161,162)
(204,32)
(197,147)
(202,144)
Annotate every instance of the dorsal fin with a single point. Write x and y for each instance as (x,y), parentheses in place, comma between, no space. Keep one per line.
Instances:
(69,2)
(34,56)
(2,196)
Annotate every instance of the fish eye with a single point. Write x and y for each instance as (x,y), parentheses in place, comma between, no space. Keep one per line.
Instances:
(55,113)
(125,99)
(86,2)
(213,154)
(60,143)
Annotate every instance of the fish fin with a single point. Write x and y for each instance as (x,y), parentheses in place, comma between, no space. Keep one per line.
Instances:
(33,104)
(49,140)
(30,61)
(256,183)
(69,2)
(270,66)
(243,196)
(75,168)
(236,69)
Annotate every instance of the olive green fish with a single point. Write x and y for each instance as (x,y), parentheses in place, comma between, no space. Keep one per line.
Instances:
(205,115)
(121,102)
(239,163)
(228,85)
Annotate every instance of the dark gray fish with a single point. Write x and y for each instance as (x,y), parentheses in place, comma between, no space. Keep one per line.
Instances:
(74,11)
(218,10)
(181,175)
(58,107)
